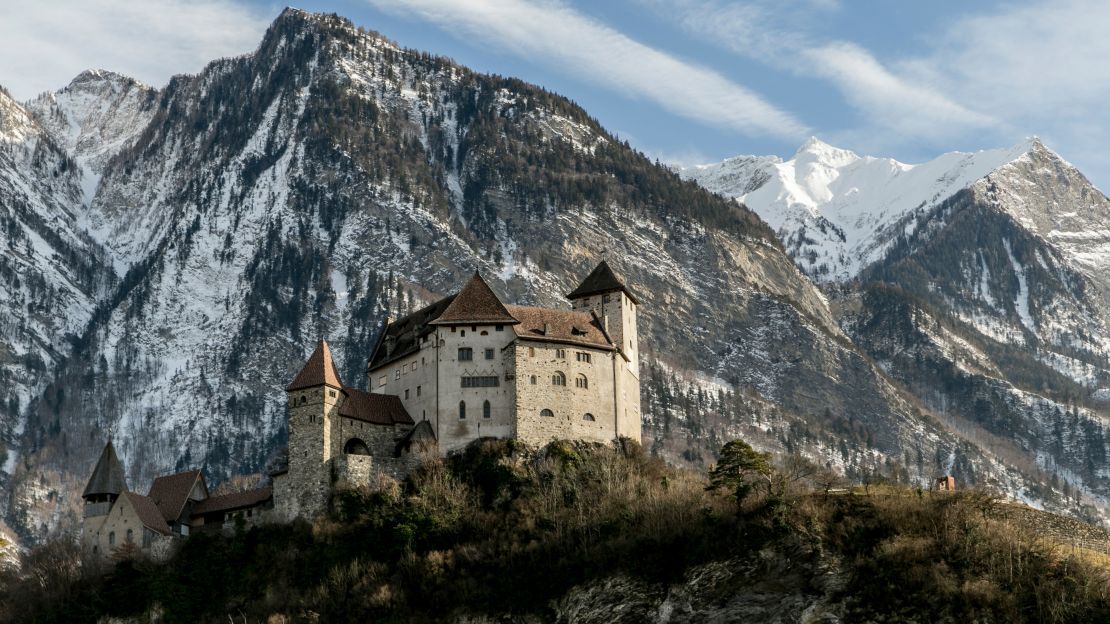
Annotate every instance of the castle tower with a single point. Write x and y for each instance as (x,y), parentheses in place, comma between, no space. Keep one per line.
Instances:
(314,400)
(104,487)
(603,294)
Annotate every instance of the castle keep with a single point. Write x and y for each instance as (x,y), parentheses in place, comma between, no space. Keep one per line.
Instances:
(465,367)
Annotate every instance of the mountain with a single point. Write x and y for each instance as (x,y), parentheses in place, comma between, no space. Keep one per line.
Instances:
(978,281)
(52,273)
(330,178)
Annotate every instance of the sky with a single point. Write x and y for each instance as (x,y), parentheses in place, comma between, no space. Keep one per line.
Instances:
(684,81)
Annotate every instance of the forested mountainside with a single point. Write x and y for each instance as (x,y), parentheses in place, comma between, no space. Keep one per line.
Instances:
(330,178)
(978,281)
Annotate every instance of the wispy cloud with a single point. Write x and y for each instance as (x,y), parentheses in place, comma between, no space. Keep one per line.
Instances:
(889,98)
(558,35)
(45,44)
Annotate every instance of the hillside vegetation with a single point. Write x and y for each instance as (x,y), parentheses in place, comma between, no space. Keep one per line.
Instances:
(584,533)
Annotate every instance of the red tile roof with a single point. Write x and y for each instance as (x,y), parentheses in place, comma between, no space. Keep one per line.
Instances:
(378,409)
(476,303)
(564,326)
(318,371)
(148,513)
(171,492)
(602,280)
(232,502)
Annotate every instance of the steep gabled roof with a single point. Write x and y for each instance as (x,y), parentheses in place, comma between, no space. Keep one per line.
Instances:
(232,502)
(319,370)
(602,280)
(475,304)
(148,513)
(107,476)
(422,433)
(171,492)
(402,337)
(377,409)
(562,326)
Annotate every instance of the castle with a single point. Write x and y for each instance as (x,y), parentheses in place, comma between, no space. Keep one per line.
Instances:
(465,367)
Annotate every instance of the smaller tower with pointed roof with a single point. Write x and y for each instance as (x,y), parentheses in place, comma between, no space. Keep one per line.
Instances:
(105,485)
(314,399)
(604,295)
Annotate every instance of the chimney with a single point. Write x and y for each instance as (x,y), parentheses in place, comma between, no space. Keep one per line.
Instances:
(546,328)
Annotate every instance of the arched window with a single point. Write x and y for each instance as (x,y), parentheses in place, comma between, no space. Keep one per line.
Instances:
(130,536)
(304,400)
(462,410)
(546,413)
(558,379)
(533,380)
(485,409)
(581,382)
(588,416)
(354,446)
(112,538)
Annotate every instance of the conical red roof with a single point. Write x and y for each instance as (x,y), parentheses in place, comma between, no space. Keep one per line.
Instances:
(475,304)
(319,370)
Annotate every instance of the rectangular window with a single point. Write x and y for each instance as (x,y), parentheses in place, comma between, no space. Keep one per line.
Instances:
(418,391)
(466,354)
(560,353)
(406,393)
(489,354)
(381,380)
(397,373)
(499,327)
(531,352)
(583,357)
(490,381)
(331,393)
(605,298)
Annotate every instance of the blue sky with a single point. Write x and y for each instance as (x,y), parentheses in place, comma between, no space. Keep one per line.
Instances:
(686,80)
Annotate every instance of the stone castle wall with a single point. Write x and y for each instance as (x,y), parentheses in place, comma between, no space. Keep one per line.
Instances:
(536,364)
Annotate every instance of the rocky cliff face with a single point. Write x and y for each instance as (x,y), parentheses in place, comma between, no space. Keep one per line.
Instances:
(330,178)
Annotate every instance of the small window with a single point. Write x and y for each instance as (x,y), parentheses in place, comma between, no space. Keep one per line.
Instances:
(560,353)
(466,354)
(406,393)
(397,374)
(489,354)
(381,380)
(304,399)
(473,328)
(588,416)
(462,410)
(331,393)
(130,536)
(452,330)
(485,409)
(499,327)
(581,382)
(605,298)
(533,380)
(422,363)
(546,413)
(531,352)
(463,333)
(112,538)
(582,357)
(558,379)
(484,333)
(418,391)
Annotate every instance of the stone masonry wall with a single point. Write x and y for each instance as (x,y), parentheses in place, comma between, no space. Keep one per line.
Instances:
(539,362)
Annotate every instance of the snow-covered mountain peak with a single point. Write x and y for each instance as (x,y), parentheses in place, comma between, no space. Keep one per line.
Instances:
(817,151)
(96,116)
(837,211)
